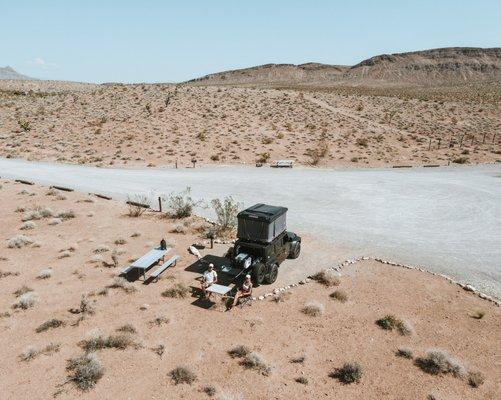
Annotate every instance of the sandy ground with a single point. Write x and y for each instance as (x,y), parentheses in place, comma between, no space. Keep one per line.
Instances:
(159,124)
(440,313)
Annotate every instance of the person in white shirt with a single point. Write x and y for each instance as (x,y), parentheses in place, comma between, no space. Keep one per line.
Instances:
(245,290)
(209,278)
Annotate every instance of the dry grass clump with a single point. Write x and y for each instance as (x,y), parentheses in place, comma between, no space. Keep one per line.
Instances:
(256,361)
(298,360)
(475,379)
(64,215)
(303,380)
(313,309)
(4,314)
(179,290)
(389,322)
(160,320)
(209,390)
(45,273)
(178,228)
(31,352)
(50,324)
(64,254)
(239,351)
(4,274)
(97,341)
(350,372)
(440,362)
(339,295)
(54,221)
(122,283)
(101,249)
(25,301)
(22,290)
(85,308)
(120,241)
(85,371)
(28,225)
(19,241)
(183,375)
(478,314)
(405,352)
(281,297)
(327,277)
(127,328)
(159,350)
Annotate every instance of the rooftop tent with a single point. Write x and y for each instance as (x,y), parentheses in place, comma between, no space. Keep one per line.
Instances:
(261,222)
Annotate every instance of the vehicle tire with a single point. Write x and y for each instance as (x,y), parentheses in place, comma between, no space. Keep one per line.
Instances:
(229,253)
(258,273)
(295,250)
(272,274)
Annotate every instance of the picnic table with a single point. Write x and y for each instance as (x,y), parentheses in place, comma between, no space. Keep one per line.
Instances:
(146,261)
(219,289)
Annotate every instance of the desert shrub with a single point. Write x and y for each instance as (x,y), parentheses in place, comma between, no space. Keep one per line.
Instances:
(159,350)
(350,372)
(102,248)
(97,341)
(478,314)
(327,277)
(255,361)
(181,205)
(298,360)
(178,228)
(135,205)
(363,142)
(120,241)
(475,379)
(24,125)
(226,212)
(461,160)
(44,212)
(183,375)
(313,309)
(4,314)
(160,320)
(405,352)
(135,234)
(440,362)
(339,295)
(390,322)
(405,328)
(50,324)
(64,254)
(45,274)
(22,290)
(51,348)
(179,290)
(303,380)
(122,283)
(31,215)
(25,301)
(86,306)
(209,390)
(54,221)
(354,159)
(127,328)
(85,371)
(263,158)
(19,241)
(66,215)
(239,351)
(29,353)
(28,225)
(281,297)
(4,274)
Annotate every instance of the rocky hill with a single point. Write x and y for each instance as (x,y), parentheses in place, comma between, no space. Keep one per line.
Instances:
(437,66)
(11,73)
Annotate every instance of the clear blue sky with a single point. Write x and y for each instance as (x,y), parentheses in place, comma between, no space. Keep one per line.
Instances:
(169,41)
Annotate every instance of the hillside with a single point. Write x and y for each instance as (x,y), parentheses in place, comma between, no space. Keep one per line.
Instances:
(9,73)
(427,67)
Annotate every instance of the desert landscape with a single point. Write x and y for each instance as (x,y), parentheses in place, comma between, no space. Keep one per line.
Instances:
(74,328)
(424,108)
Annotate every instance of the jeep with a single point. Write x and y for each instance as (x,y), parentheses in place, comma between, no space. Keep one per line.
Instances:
(263,242)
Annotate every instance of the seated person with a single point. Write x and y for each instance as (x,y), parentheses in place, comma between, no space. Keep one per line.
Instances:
(163,244)
(245,290)
(209,277)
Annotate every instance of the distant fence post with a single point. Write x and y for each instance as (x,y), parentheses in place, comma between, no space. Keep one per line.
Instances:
(429,145)
(159,203)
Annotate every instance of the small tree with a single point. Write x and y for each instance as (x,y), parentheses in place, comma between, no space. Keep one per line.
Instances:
(226,212)
(182,204)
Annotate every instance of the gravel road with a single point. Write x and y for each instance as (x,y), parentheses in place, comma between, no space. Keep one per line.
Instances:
(446,219)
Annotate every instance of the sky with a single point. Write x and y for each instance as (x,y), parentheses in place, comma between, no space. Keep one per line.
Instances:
(173,41)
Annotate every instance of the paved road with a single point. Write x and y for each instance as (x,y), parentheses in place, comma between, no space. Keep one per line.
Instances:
(446,219)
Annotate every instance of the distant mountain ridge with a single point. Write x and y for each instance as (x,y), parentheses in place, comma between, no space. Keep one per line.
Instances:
(10,73)
(445,65)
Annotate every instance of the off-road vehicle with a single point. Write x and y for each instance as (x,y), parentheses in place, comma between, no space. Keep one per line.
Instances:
(263,242)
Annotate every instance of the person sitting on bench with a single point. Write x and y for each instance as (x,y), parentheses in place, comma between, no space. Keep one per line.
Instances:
(245,290)
(163,244)
(209,277)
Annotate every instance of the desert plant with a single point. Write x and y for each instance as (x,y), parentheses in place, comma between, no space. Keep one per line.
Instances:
(29,353)
(160,320)
(302,380)
(263,158)
(19,241)
(350,372)
(28,225)
(24,125)
(327,277)
(25,301)
(313,309)
(22,290)
(226,212)
(159,350)
(478,314)
(181,205)
(475,379)
(339,295)
(183,375)
(122,283)
(102,248)
(137,205)
(363,142)
(66,215)
(127,328)
(45,274)
(440,362)
(96,341)
(405,352)
(239,351)
(460,160)
(209,390)
(178,228)
(50,324)
(179,290)
(85,371)
(255,361)
(54,221)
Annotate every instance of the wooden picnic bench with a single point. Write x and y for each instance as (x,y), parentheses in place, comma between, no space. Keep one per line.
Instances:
(170,262)
(146,261)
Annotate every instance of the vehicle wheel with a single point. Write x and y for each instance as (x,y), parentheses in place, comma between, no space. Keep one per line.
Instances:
(272,274)
(258,273)
(295,250)
(229,253)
